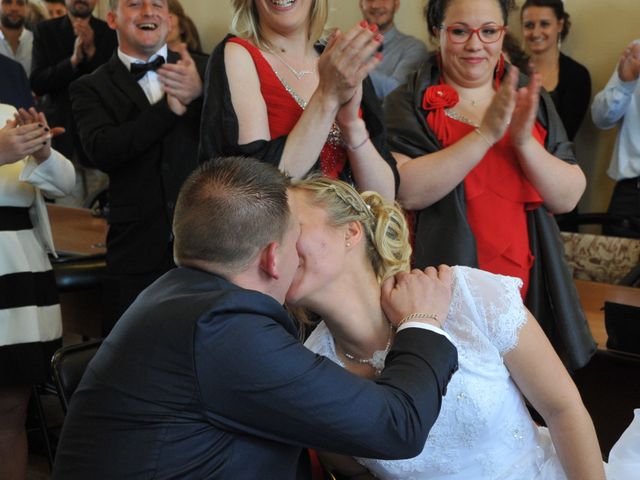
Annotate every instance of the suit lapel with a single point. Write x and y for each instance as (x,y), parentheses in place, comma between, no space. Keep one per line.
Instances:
(123,80)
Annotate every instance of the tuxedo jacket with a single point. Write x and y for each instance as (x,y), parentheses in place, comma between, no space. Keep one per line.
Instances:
(203,379)
(147,150)
(14,84)
(52,72)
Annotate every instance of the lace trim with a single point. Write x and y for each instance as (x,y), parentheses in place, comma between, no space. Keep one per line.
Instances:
(501,311)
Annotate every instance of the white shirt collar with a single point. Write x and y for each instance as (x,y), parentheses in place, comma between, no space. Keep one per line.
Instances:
(128,59)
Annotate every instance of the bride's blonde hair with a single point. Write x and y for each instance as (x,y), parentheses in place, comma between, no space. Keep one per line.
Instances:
(384,224)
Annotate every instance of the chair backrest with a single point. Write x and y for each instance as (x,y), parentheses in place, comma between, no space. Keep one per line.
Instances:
(600,258)
(68,365)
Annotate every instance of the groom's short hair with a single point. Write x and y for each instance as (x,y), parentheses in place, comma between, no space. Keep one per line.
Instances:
(228,210)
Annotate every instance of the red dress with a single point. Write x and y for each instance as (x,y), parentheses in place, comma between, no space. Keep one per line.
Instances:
(497,193)
(284,111)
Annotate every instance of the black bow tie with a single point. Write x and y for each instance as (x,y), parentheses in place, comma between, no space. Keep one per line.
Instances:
(139,70)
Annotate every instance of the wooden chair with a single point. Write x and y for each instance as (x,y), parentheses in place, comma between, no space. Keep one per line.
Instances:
(599,258)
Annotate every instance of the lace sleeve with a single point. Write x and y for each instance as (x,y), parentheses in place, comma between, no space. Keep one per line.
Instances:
(500,309)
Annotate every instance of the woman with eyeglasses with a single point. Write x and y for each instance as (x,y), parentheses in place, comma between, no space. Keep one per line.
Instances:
(545,23)
(483,158)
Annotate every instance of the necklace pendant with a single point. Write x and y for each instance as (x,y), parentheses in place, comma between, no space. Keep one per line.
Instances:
(377,360)
(301,74)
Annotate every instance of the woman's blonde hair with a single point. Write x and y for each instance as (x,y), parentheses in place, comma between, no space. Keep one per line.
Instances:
(245,21)
(384,223)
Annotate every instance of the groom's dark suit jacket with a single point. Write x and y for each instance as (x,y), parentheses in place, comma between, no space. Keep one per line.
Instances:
(147,150)
(201,379)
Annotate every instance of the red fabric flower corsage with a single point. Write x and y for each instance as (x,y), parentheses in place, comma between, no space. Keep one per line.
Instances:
(439,96)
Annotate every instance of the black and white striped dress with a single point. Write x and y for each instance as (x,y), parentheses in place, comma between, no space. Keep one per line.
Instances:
(30,320)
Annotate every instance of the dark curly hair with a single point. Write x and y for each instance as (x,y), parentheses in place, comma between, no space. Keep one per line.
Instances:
(435,10)
(558,9)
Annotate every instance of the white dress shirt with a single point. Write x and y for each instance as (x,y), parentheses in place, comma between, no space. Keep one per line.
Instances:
(619,104)
(23,54)
(150,83)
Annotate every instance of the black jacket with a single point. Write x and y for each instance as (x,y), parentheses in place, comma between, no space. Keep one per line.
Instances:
(202,379)
(148,152)
(52,72)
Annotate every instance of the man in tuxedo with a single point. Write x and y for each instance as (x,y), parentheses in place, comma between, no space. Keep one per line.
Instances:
(64,49)
(138,120)
(204,375)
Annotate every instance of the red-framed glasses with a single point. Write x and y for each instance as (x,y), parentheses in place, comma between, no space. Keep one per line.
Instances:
(487,34)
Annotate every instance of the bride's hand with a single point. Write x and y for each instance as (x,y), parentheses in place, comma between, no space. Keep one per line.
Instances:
(347,60)
(422,292)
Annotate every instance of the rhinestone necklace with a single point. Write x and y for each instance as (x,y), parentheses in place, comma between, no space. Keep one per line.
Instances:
(377,359)
(299,74)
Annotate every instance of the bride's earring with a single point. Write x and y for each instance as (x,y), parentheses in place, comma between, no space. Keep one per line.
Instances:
(559,41)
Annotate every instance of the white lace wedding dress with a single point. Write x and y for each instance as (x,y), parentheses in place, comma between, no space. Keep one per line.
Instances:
(484,430)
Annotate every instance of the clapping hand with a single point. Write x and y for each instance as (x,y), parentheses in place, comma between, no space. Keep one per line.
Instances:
(77,56)
(26,134)
(525,111)
(427,292)
(512,109)
(85,38)
(17,143)
(346,61)
(629,65)
(181,81)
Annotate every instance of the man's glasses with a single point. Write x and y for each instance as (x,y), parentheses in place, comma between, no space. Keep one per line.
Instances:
(486,34)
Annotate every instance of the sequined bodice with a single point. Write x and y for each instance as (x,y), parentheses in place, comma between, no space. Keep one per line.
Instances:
(484,430)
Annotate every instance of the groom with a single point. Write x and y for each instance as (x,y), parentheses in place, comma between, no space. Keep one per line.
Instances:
(204,376)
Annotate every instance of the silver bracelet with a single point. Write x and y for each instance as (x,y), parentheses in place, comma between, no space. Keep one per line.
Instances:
(483,136)
(432,316)
(356,147)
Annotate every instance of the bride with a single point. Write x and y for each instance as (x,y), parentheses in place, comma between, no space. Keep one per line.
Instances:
(350,247)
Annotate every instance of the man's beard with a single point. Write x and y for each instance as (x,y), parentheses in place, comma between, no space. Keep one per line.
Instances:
(11,24)
(83,13)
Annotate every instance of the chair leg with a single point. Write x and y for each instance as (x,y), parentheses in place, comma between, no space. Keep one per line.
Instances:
(44,429)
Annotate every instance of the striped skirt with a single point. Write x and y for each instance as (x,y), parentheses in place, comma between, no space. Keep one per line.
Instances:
(30,319)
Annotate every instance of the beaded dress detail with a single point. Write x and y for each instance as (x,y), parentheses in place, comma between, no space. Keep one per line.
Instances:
(284,108)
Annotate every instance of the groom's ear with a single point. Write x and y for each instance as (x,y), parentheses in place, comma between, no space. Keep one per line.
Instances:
(269,260)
